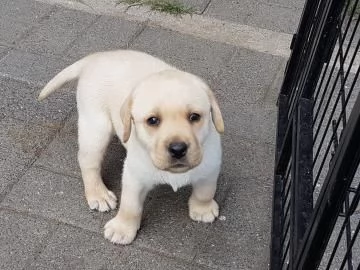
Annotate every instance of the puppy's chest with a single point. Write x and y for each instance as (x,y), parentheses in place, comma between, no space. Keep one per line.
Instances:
(176,181)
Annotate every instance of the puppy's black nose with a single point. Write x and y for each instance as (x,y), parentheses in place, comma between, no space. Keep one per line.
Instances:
(177,149)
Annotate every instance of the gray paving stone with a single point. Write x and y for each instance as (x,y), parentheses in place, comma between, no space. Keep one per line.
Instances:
(23,10)
(12,31)
(271,96)
(33,68)
(254,13)
(71,248)
(246,159)
(241,239)
(21,141)
(195,55)
(245,80)
(275,18)
(21,237)
(10,170)
(19,100)
(108,33)
(55,33)
(241,89)
(256,122)
(18,17)
(61,154)
(299,4)
(53,196)
(166,226)
(3,51)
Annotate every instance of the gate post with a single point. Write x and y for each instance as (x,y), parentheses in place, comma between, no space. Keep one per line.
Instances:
(301,190)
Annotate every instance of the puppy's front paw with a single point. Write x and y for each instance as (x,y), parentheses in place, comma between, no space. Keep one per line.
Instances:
(101,199)
(205,212)
(118,232)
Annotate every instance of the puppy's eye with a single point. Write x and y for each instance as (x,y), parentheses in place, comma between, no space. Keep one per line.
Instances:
(194,117)
(153,121)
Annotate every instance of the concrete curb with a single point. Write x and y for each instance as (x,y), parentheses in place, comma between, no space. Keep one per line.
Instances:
(253,38)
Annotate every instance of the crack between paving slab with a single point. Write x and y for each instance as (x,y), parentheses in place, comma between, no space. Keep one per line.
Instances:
(205,8)
(198,248)
(29,82)
(56,56)
(51,220)
(80,35)
(143,25)
(225,199)
(47,124)
(6,52)
(281,6)
(279,73)
(216,79)
(53,226)
(197,254)
(32,161)
(41,167)
(57,223)
(17,79)
(10,186)
(39,249)
(36,24)
(15,44)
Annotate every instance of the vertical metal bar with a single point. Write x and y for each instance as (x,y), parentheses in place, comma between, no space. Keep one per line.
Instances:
(302,199)
(282,124)
(349,249)
(277,214)
(342,78)
(348,232)
(324,47)
(332,195)
(293,242)
(299,40)
(304,192)
(277,225)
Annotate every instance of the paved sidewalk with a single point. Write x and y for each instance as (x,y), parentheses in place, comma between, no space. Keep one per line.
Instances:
(45,222)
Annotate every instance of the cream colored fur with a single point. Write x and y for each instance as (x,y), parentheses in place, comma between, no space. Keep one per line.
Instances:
(117,93)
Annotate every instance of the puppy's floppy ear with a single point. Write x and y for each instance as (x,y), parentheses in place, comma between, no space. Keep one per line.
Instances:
(216,113)
(125,114)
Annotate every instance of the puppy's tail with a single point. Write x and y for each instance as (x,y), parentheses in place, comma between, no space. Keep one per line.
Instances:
(68,74)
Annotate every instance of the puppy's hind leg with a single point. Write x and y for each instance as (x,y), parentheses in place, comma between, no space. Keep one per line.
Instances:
(94,136)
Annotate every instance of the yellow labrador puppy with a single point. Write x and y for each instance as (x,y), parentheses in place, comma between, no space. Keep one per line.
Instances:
(167,119)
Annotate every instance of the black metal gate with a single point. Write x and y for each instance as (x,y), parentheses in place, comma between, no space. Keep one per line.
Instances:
(316,213)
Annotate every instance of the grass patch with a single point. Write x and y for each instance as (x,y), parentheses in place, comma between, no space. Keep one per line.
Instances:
(168,6)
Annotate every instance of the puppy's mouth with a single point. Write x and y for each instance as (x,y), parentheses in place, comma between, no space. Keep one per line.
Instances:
(179,168)
(174,165)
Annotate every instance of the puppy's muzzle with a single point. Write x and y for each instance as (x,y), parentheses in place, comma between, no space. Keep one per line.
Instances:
(177,150)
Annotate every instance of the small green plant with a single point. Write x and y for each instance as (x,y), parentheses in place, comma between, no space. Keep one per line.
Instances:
(169,6)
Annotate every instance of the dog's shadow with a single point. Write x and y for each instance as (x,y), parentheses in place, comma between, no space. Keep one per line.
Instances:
(112,165)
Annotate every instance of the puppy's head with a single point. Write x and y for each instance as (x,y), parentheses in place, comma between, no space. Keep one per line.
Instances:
(172,112)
